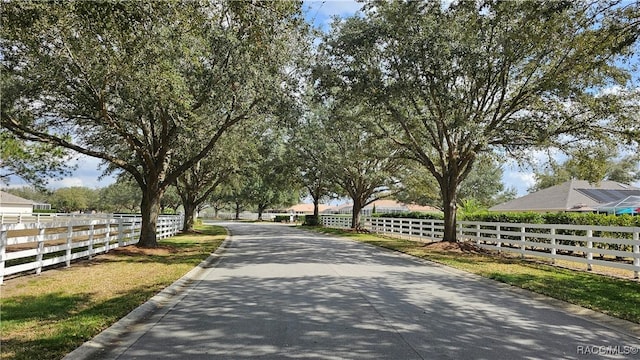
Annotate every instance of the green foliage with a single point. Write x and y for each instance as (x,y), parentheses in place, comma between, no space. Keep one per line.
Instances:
(123,196)
(282,218)
(516,217)
(136,83)
(450,82)
(483,186)
(413,215)
(31,161)
(568,218)
(470,206)
(310,220)
(355,159)
(593,164)
(265,181)
(72,199)
(309,150)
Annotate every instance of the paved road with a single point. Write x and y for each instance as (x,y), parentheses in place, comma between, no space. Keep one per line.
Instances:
(282,293)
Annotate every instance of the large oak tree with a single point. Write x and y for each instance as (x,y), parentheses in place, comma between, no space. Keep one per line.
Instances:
(454,80)
(126,82)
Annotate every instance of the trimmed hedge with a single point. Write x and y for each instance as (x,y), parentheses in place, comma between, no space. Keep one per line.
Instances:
(287,218)
(282,218)
(555,218)
(310,220)
(413,215)
(568,218)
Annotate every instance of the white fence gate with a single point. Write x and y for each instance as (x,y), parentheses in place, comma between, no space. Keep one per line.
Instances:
(29,246)
(609,246)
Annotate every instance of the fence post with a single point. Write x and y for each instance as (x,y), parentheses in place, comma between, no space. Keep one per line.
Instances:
(91,241)
(636,253)
(3,249)
(478,234)
(523,238)
(120,233)
(553,245)
(133,230)
(589,252)
(69,244)
(498,237)
(19,218)
(40,253)
(432,229)
(107,237)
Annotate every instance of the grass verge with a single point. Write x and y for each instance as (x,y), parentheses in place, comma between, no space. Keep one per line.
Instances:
(616,297)
(48,316)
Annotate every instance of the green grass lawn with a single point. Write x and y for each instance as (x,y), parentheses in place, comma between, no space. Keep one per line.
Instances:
(609,295)
(48,316)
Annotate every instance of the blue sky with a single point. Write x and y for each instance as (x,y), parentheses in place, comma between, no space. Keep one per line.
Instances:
(320,13)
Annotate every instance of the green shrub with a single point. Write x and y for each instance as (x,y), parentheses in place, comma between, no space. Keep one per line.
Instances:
(282,218)
(566,218)
(413,215)
(520,217)
(310,220)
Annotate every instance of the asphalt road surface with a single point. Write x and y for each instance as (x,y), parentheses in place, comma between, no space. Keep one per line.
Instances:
(278,292)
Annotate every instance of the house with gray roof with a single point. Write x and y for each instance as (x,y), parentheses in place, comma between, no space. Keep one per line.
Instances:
(573,195)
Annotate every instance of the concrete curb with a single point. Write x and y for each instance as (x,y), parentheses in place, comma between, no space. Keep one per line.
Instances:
(111,342)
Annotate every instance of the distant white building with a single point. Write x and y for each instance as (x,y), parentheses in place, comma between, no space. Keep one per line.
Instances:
(306,209)
(386,206)
(14,204)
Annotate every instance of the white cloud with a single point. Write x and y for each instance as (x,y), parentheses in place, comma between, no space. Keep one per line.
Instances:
(66,182)
(520,180)
(87,174)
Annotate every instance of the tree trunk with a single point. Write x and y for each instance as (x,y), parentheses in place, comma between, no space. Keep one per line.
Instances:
(315,218)
(260,211)
(316,207)
(449,207)
(237,211)
(355,216)
(150,209)
(189,211)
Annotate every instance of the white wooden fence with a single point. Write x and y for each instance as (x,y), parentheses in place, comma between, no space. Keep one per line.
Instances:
(19,218)
(37,245)
(609,246)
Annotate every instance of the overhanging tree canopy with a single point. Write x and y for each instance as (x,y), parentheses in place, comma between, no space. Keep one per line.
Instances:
(127,81)
(450,82)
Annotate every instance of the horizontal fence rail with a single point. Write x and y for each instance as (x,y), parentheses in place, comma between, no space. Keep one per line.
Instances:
(609,246)
(30,246)
(20,218)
